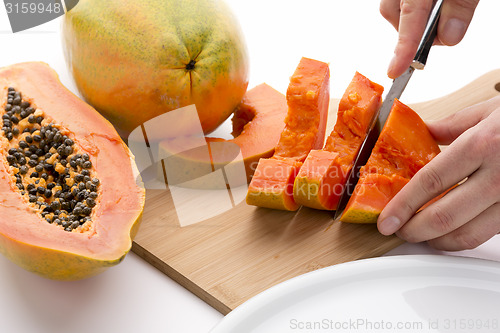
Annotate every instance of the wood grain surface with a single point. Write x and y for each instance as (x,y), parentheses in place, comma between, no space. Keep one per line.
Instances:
(233,256)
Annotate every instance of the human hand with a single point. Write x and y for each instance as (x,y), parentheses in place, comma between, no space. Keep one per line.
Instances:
(469,214)
(409,17)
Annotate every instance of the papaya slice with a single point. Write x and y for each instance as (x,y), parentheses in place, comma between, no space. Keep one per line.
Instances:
(308,97)
(257,125)
(65,212)
(321,179)
(404,147)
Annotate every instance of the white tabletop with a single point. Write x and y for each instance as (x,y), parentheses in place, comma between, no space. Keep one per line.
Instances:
(350,35)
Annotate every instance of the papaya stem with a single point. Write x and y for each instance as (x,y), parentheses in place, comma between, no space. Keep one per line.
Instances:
(190,65)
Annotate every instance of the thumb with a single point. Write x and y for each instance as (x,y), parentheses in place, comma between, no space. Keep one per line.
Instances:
(455,18)
(446,130)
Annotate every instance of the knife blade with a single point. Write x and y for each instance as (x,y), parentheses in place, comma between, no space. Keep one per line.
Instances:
(397,88)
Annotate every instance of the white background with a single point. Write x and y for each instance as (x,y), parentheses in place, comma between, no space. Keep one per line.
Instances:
(350,35)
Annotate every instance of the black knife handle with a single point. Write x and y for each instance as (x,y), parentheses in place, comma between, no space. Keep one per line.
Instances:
(428,37)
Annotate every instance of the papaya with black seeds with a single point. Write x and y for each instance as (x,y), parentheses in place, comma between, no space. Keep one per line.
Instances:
(72,197)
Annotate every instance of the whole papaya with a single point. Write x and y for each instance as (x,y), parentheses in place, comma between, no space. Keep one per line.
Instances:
(134,60)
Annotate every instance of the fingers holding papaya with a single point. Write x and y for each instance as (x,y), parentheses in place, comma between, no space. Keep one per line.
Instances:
(463,218)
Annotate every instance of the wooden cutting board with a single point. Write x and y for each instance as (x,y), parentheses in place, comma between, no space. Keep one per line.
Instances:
(231,257)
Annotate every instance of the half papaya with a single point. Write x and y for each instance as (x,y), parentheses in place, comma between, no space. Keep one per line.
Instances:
(65,212)
(308,98)
(321,179)
(404,147)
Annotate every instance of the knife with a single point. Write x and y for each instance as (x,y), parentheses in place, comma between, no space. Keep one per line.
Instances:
(379,120)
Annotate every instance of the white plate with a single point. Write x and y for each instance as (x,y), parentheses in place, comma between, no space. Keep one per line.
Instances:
(413,293)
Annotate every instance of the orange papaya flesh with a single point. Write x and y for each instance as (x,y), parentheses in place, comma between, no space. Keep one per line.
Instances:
(318,178)
(404,147)
(320,187)
(372,195)
(308,99)
(42,230)
(272,184)
(257,124)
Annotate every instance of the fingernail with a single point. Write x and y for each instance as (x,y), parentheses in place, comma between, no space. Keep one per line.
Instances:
(389,225)
(453,31)
(391,67)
